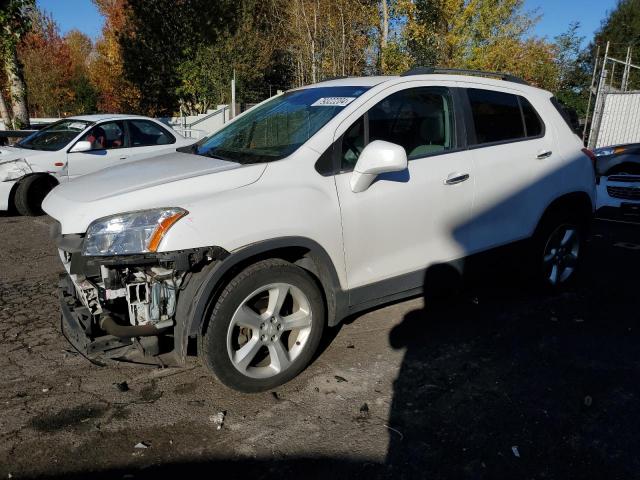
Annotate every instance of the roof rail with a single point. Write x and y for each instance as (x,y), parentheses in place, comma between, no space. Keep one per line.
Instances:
(459,71)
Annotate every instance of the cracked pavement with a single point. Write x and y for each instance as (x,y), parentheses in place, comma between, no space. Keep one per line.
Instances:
(399,391)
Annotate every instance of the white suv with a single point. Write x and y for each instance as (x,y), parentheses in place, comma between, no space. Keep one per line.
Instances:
(312,206)
(73,147)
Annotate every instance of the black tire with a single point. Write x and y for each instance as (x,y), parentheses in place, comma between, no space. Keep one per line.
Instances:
(30,193)
(553,225)
(212,345)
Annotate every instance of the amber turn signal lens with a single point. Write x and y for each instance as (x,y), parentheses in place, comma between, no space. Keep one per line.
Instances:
(160,231)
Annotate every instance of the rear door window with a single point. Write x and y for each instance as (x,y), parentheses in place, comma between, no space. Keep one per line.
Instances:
(496,116)
(144,134)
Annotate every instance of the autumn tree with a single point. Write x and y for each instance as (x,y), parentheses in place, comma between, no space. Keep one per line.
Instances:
(106,68)
(487,35)
(47,68)
(328,38)
(81,52)
(14,24)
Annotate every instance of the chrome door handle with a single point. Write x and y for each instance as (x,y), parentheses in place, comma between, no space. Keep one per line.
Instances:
(454,178)
(544,154)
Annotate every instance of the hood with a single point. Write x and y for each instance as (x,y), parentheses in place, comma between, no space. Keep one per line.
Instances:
(171,180)
(9,154)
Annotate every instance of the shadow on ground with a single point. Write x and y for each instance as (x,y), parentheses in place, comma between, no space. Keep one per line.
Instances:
(499,381)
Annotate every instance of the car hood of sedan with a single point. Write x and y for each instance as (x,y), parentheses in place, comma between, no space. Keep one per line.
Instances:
(9,154)
(171,180)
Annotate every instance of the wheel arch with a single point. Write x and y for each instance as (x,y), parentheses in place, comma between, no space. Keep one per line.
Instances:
(14,189)
(203,288)
(579,202)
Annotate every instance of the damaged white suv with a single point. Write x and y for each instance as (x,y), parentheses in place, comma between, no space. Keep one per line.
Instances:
(315,205)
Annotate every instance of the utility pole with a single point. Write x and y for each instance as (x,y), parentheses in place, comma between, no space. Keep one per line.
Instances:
(233,95)
(627,69)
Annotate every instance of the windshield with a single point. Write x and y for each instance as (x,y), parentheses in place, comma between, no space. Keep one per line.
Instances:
(55,136)
(276,129)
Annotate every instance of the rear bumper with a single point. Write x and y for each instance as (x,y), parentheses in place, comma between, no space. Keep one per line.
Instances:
(5,192)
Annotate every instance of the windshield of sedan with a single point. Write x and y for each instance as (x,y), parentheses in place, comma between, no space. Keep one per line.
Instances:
(54,137)
(276,129)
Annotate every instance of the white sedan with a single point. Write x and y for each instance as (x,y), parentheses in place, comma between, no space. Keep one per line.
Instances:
(73,147)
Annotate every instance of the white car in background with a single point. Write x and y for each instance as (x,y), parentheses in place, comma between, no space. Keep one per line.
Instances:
(73,147)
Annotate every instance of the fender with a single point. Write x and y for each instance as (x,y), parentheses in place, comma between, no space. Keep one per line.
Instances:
(195,299)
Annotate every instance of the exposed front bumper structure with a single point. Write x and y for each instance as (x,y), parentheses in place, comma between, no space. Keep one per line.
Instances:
(79,329)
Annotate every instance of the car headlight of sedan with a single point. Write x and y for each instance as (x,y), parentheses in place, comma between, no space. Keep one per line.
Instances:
(130,233)
(14,170)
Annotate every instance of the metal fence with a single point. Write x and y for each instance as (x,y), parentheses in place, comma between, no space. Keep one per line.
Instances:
(616,109)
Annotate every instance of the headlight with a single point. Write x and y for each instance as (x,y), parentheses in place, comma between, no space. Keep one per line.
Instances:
(128,233)
(14,170)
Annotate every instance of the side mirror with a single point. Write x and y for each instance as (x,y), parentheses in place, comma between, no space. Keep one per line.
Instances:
(376,158)
(81,146)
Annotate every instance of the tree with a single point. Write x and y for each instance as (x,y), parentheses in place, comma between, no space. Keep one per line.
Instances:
(622,29)
(81,52)
(574,70)
(47,68)
(488,35)
(14,24)
(106,69)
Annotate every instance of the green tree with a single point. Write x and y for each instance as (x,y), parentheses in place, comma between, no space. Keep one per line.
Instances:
(15,22)
(574,70)
(622,29)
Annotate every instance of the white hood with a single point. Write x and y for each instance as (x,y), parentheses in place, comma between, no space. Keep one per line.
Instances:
(9,154)
(171,180)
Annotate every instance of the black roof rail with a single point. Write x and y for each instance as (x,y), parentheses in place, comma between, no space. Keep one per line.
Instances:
(459,71)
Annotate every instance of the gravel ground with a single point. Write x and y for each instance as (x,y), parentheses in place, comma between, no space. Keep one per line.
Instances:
(496,382)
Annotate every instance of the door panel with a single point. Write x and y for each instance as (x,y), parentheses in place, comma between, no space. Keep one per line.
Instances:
(109,148)
(512,183)
(405,221)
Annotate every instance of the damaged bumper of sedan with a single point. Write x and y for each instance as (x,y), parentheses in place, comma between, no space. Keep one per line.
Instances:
(125,307)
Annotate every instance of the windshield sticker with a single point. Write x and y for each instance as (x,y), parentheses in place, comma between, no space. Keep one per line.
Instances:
(333,102)
(77,126)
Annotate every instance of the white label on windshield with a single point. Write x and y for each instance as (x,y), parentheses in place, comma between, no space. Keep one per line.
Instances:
(77,126)
(333,102)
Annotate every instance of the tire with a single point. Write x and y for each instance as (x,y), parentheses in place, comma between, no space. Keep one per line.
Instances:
(256,311)
(30,193)
(558,249)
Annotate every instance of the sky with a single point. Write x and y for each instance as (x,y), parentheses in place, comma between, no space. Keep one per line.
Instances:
(556,15)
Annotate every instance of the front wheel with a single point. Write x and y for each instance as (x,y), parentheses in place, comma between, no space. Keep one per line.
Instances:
(30,193)
(264,328)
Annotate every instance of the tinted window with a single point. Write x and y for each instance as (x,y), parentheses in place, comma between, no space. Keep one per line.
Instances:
(496,116)
(419,119)
(532,121)
(569,115)
(106,136)
(144,133)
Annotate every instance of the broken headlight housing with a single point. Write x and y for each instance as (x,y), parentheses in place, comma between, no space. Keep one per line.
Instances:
(14,170)
(130,233)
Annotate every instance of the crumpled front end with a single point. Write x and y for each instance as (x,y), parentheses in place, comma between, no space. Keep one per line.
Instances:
(124,307)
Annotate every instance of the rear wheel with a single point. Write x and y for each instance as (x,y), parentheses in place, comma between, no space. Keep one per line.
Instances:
(30,193)
(558,249)
(264,328)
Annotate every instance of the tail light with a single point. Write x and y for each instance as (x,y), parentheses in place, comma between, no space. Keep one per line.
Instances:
(591,155)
